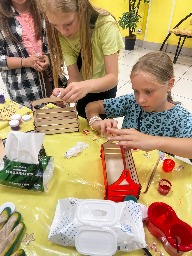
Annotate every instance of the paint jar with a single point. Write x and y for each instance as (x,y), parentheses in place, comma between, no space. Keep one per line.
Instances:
(26,118)
(168,165)
(2,99)
(164,187)
(174,233)
(16,117)
(14,125)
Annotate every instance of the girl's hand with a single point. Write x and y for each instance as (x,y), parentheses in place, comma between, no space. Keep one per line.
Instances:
(103,125)
(57,92)
(131,138)
(42,63)
(73,92)
(29,62)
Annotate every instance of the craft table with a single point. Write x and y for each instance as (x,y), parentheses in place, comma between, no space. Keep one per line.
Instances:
(82,177)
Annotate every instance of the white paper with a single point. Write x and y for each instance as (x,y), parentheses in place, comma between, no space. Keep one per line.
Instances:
(23,147)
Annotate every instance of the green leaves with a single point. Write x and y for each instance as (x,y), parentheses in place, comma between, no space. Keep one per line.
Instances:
(129,19)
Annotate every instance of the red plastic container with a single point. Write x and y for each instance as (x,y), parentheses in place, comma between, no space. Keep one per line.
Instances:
(175,234)
(168,165)
(127,182)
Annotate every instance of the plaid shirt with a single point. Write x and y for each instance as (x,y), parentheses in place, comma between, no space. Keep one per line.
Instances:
(23,84)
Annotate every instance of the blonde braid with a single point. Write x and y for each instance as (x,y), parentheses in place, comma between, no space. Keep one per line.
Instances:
(55,50)
(85,39)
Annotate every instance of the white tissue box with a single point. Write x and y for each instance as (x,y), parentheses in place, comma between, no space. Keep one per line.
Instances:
(28,176)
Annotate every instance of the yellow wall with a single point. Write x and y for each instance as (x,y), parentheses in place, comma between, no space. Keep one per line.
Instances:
(157,18)
(182,8)
(164,15)
(117,7)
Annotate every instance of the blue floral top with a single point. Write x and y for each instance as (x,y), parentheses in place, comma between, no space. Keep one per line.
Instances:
(175,122)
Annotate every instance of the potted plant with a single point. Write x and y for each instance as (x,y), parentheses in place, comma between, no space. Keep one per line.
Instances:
(129,21)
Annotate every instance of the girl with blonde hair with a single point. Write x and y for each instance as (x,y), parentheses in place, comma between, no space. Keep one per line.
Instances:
(151,120)
(89,40)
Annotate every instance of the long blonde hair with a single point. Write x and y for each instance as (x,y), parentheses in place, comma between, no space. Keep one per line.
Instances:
(158,64)
(85,11)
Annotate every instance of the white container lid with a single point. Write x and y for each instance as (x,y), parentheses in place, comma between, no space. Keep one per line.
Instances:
(92,241)
(26,118)
(14,123)
(97,212)
(16,117)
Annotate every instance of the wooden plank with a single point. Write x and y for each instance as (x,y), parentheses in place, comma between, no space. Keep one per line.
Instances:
(56,115)
(112,151)
(55,110)
(55,122)
(55,127)
(59,131)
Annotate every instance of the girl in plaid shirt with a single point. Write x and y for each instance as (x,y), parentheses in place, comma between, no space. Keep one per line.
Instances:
(23,51)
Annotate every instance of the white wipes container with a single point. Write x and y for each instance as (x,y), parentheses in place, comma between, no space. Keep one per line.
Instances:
(98,227)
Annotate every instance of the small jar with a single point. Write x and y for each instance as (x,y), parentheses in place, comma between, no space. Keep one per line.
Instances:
(16,117)
(2,99)
(164,187)
(26,118)
(14,125)
(168,165)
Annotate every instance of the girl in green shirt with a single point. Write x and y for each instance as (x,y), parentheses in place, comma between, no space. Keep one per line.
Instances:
(89,40)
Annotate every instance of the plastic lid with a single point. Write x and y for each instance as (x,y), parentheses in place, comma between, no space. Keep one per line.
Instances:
(97,212)
(26,118)
(16,117)
(96,242)
(14,123)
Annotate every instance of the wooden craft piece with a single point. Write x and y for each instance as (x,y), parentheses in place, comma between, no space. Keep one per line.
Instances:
(57,119)
(120,175)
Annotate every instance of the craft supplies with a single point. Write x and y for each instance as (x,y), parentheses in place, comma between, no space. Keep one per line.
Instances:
(152,175)
(60,118)
(174,233)
(14,125)
(120,174)
(16,117)
(26,118)
(2,99)
(164,187)
(75,150)
(168,165)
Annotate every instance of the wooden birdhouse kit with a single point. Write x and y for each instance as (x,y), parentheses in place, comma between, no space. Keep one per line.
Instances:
(52,117)
(120,175)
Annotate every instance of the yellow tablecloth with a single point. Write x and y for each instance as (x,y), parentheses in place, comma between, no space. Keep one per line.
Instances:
(82,177)
(10,107)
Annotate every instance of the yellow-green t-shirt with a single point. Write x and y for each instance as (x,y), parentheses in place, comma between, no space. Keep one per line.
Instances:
(106,40)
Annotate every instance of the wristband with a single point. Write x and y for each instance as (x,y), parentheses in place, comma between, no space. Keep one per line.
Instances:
(93,119)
